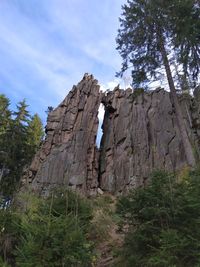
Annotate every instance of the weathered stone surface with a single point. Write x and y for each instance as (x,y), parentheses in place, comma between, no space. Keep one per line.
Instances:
(69,156)
(140,134)
(195,107)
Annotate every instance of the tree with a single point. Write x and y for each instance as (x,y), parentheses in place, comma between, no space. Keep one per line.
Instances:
(51,231)
(5,114)
(186,36)
(20,137)
(35,134)
(5,122)
(163,222)
(16,148)
(148,37)
(55,231)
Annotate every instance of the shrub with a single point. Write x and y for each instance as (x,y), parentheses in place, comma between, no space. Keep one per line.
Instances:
(56,233)
(163,221)
(9,235)
(48,232)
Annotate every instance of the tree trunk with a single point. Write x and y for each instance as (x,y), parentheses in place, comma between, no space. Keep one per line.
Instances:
(185,139)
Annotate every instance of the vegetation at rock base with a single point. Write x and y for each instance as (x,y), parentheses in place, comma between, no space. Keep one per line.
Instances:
(160,225)
(163,222)
(64,229)
(20,137)
(47,232)
(157,225)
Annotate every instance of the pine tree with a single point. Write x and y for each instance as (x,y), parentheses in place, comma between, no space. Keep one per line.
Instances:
(35,135)
(5,114)
(5,122)
(20,137)
(149,36)
(163,222)
(16,148)
(186,36)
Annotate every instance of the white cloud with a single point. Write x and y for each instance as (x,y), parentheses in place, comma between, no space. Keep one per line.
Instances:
(101,112)
(46,48)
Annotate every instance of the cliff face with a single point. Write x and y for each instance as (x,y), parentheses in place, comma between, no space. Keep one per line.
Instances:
(140,134)
(69,156)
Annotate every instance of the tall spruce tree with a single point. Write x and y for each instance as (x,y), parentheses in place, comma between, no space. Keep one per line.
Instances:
(163,222)
(148,37)
(35,135)
(19,134)
(20,137)
(186,36)
(16,148)
(5,114)
(5,123)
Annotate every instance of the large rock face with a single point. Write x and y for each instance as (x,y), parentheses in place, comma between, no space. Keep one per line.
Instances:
(140,134)
(69,155)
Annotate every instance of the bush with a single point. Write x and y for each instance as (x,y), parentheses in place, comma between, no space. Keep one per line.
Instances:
(9,235)
(51,232)
(56,234)
(163,222)
(102,222)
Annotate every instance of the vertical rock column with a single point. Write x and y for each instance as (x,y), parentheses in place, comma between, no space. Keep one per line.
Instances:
(196,119)
(68,156)
(140,134)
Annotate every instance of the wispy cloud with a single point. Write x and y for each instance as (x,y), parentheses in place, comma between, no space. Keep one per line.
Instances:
(46,47)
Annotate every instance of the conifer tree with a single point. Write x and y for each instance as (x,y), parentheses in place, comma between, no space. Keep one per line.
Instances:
(185,22)
(5,114)
(162,221)
(20,137)
(148,37)
(16,148)
(5,122)
(35,134)
(19,134)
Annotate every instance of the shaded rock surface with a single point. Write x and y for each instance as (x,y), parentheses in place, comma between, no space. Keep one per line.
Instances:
(68,156)
(140,134)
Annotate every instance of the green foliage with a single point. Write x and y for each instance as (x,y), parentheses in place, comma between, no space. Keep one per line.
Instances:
(62,203)
(5,125)
(185,21)
(3,264)
(164,222)
(102,221)
(58,241)
(20,137)
(5,114)
(137,92)
(35,134)
(49,232)
(9,236)
(16,148)
(148,26)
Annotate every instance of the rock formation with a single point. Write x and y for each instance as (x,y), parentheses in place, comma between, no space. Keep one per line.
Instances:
(69,155)
(140,134)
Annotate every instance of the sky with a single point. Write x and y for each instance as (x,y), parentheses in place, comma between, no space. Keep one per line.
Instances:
(46,46)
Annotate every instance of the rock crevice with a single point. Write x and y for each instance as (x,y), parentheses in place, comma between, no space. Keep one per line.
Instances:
(140,134)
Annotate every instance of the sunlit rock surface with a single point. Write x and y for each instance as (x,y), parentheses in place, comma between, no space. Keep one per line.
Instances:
(140,134)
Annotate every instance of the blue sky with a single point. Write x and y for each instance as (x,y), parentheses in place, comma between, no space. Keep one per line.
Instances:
(47,45)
